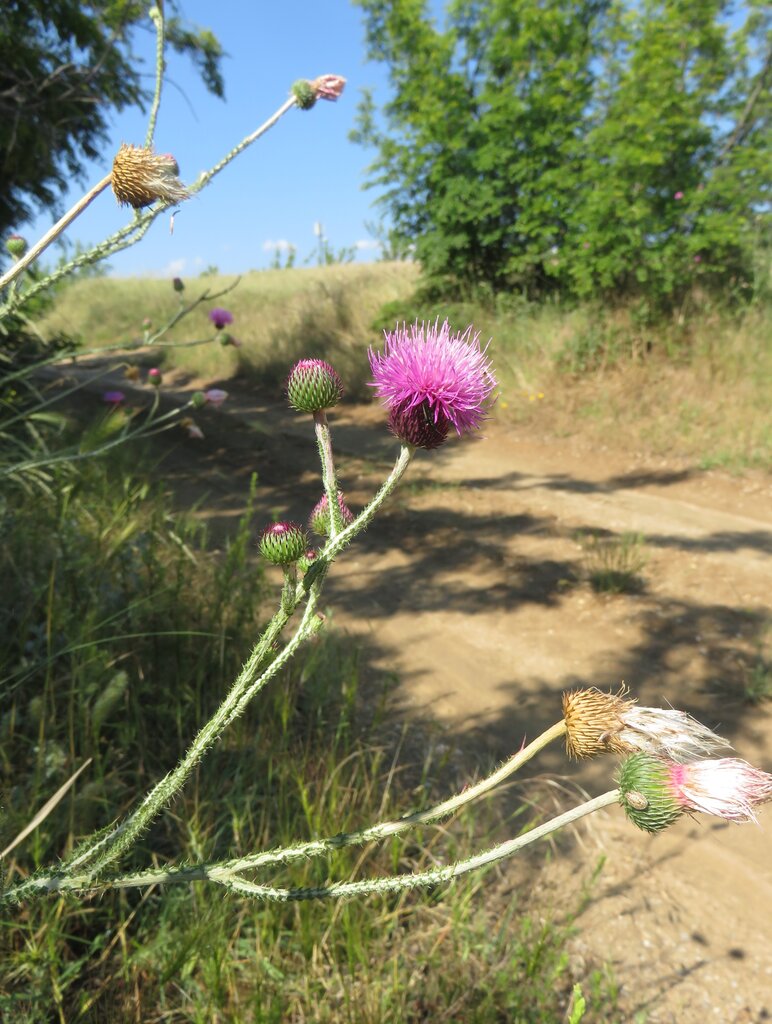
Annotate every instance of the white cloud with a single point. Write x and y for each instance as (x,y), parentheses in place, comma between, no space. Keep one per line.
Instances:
(367,243)
(175,268)
(280,245)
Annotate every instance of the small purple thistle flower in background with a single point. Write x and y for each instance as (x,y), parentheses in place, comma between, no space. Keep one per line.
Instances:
(220,317)
(113,398)
(215,397)
(431,379)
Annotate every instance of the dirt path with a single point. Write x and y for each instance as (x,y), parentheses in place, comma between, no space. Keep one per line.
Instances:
(472,590)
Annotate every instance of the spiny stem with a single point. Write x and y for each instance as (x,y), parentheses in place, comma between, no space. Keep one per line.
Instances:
(317,847)
(425,879)
(157,17)
(329,476)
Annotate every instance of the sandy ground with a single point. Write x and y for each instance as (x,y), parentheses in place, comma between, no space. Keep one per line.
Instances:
(472,589)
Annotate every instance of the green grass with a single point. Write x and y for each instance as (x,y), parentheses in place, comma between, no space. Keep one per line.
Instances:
(122,628)
(696,387)
(613,565)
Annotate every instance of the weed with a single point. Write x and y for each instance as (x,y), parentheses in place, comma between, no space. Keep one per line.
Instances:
(613,564)
(123,630)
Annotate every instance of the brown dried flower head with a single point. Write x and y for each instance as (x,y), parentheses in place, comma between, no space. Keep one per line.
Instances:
(140,177)
(599,723)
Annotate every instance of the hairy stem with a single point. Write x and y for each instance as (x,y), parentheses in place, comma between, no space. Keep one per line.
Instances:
(329,476)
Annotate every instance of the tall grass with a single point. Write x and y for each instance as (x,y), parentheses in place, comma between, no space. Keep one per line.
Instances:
(121,630)
(696,387)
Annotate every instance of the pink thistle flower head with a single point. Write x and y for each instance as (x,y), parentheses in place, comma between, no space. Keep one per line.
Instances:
(430,379)
(728,787)
(326,87)
(678,195)
(319,520)
(655,791)
(329,87)
(598,723)
(220,317)
(283,543)
(313,385)
(113,397)
(155,376)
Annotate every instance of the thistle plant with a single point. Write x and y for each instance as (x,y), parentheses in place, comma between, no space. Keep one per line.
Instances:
(442,375)
(433,381)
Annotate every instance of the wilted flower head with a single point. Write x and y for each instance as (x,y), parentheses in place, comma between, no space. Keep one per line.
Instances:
(113,397)
(140,177)
(220,317)
(319,520)
(283,543)
(598,723)
(178,284)
(131,373)
(192,428)
(313,385)
(228,339)
(655,791)
(430,379)
(326,87)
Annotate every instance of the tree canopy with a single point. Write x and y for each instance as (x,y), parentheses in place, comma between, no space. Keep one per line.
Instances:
(578,147)
(64,66)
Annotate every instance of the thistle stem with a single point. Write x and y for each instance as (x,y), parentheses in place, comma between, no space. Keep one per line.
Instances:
(329,477)
(53,233)
(425,879)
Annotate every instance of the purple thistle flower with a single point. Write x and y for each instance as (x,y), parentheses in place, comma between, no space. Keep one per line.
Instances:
(215,397)
(430,379)
(220,317)
(113,397)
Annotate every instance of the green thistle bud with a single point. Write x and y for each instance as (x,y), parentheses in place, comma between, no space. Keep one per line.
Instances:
(198,399)
(178,284)
(646,793)
(313,385)
(304,93)
(319,520)
(283,543)
(16,246)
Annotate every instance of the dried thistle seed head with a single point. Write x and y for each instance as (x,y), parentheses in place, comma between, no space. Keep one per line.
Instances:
(592,722)
(599,723)
(140,177)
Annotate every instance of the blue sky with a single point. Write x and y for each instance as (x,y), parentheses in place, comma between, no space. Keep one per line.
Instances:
(304,170)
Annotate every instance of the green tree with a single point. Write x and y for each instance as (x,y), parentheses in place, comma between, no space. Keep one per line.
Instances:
(674,178)
(64,67)
(589,148)
(482,139)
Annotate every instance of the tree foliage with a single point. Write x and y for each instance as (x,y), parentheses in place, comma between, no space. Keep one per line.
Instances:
(64,67)
(579,147)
